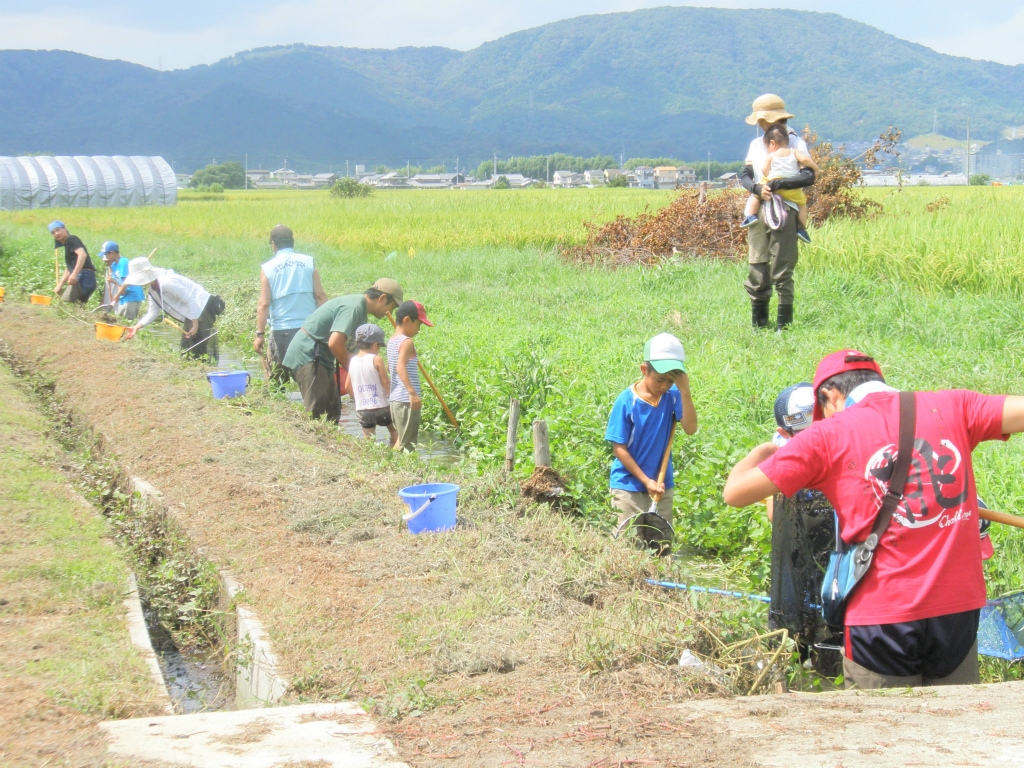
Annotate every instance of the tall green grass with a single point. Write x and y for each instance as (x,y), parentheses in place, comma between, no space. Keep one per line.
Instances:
(935,296)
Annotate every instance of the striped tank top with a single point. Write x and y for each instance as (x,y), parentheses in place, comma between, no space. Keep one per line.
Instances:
(399,394)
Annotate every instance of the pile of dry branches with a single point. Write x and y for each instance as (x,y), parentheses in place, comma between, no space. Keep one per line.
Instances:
(833,190)
(694,224)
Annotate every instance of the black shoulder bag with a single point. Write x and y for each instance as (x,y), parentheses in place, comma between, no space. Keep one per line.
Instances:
(848,564)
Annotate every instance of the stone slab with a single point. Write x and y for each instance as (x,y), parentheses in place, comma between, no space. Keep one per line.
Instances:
(340,734)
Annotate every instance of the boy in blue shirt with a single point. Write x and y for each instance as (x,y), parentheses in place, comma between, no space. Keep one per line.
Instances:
(128,300)
(639,428)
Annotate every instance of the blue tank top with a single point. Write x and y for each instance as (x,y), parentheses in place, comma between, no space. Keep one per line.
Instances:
(290,276)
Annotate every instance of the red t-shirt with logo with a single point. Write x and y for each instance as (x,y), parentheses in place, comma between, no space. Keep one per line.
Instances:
(928,562)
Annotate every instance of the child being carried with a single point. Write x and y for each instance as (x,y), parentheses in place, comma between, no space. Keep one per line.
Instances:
(782,163)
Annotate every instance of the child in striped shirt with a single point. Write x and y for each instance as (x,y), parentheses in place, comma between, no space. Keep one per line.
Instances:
(406,404)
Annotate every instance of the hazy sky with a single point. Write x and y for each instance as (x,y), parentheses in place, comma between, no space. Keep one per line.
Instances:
(181,33)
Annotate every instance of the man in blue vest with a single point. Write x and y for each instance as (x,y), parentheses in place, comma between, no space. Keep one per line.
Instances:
(290,291)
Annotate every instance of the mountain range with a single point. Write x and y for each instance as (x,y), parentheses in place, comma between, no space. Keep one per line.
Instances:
(672,81)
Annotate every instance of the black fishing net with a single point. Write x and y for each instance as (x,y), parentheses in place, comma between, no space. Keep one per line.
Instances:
(803,535)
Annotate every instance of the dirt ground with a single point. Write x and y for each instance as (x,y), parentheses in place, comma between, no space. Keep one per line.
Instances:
(65,660)
(520,638)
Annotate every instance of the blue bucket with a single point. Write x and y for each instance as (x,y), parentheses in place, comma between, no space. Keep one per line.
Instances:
(228,383)
(426,515)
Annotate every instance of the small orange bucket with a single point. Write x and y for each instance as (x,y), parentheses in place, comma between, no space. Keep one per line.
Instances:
(35,298)
(108,332)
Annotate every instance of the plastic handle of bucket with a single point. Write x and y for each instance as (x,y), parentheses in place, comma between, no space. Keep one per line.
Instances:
(430,500)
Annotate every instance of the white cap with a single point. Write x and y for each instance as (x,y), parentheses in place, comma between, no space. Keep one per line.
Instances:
(665,353)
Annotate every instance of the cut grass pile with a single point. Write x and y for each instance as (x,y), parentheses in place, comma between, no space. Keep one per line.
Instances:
(933,294)
(65,658)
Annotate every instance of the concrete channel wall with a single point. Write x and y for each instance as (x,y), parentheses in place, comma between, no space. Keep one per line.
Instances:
(257,680)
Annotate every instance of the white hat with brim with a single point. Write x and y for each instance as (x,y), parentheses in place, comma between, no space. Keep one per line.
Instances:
(141,272)
(769,108)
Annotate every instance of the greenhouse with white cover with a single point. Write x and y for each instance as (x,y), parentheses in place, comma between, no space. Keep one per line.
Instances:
(85,182)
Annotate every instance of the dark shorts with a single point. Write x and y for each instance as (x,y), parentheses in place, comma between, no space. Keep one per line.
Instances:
(930,649)
(375,417)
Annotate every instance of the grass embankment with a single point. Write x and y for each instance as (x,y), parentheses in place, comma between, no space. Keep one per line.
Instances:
(65,658)
(933,294)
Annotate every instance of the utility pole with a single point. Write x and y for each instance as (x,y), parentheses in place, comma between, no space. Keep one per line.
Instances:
(968,151)
(495,175)
(246,170)
(346,169)
(709,167)
(547,170)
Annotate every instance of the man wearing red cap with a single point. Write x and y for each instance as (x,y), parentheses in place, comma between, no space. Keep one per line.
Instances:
(913,617)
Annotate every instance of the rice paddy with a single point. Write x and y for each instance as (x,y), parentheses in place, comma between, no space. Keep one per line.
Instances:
(931,287)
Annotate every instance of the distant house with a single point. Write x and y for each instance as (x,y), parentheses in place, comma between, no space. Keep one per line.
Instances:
(392,180)
(516,180)
(729,180)
(257,175)
(666,177)
(612,173)
(282,174)
(687,177)
(301,181)
(566,179)
(644,177)
(593,178)
(269,184)
(322,180)
(182,180)
(435,180)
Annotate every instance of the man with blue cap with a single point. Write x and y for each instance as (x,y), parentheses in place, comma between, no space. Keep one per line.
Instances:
(79,279)
(126,299)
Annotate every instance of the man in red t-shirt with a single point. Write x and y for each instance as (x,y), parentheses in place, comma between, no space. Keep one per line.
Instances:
(913,618)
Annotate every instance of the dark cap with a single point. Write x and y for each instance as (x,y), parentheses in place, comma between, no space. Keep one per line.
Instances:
(369,333)
(281,232)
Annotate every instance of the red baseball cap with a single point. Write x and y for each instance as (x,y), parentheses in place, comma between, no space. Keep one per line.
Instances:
(410,309)
(840,362)
(421,313)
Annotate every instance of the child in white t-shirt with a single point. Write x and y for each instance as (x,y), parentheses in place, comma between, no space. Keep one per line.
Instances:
(368,382)
(782,162)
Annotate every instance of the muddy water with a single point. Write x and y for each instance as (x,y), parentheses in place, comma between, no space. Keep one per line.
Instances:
(195,679)
(432,447)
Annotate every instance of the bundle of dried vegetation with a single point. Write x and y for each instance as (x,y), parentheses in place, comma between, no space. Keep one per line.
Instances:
(701,225)
(695,224)
(833,193)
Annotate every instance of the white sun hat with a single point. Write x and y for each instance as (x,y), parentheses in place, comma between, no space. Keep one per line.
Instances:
(141,272)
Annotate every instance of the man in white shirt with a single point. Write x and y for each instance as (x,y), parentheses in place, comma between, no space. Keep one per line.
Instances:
(182,299)
(772,253)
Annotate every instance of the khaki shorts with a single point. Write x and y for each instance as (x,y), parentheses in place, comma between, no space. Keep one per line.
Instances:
(407,422)
(631,503)
(857,676)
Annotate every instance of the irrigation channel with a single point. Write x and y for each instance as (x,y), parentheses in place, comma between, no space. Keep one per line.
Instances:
(199,676)
(432,446)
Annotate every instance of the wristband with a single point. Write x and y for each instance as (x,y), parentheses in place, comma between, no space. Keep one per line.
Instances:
(259,334)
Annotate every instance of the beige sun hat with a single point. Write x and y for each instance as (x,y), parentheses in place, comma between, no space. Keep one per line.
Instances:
(769,108)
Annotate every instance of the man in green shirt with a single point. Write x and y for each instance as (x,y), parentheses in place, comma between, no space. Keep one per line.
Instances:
(328,338)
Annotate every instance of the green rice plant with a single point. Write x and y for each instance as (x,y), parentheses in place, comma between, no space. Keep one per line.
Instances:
(933,294)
